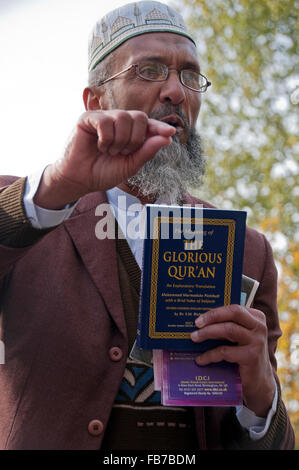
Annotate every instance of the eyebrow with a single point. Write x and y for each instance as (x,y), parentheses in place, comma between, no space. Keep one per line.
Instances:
(187,64)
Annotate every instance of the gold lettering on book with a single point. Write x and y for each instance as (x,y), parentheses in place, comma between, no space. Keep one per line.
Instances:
(180,272)
(189,265)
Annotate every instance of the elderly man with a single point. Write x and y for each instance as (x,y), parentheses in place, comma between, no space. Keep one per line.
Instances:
(69,300)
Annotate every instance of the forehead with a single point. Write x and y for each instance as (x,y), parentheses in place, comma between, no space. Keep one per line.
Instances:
(169,47)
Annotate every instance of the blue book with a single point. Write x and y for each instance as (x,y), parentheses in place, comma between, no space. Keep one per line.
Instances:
(192,262)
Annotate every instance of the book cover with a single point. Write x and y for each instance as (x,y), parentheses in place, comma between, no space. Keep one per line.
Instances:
(191,263)
(184,383)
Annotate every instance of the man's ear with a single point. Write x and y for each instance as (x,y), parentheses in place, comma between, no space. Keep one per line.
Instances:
(92,99)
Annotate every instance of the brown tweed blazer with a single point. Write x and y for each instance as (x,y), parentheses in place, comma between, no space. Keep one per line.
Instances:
(65,334)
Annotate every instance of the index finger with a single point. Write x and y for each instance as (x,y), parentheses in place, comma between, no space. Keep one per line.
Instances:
(232,313)
(162,128)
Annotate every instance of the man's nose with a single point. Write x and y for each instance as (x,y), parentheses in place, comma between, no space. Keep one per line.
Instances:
(172,90)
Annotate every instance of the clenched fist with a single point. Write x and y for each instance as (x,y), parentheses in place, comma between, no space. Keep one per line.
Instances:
(105,149)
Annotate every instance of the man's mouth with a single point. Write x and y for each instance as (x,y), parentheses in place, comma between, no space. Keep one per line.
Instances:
(175,121)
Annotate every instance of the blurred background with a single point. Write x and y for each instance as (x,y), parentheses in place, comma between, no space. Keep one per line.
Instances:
(248,121)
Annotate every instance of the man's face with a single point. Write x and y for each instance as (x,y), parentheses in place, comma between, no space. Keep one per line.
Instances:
(180,165)
(132,92)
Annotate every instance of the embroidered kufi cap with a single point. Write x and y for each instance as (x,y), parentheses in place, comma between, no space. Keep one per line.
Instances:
(132,20)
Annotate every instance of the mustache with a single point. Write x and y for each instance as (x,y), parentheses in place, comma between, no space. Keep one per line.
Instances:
(167,109)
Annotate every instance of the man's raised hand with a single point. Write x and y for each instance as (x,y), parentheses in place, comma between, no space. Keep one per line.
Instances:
(105,149)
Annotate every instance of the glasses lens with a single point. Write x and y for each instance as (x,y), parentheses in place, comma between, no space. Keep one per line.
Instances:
(194,80)
(152,71)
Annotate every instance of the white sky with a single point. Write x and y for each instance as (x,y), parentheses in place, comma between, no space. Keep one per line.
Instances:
(43,71)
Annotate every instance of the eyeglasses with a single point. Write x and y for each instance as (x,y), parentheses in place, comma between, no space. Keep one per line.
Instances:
(157,72)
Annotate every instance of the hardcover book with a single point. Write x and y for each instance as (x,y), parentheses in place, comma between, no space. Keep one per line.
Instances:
(192,262)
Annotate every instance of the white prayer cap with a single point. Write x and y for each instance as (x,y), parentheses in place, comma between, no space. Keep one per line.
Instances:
(132,20)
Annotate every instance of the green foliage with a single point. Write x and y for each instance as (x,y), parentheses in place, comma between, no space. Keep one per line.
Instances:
(248,49)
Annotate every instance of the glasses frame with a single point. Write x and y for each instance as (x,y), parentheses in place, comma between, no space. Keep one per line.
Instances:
(151,80)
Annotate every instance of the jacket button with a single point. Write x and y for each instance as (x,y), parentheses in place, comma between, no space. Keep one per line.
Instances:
(95,427)
(115,354)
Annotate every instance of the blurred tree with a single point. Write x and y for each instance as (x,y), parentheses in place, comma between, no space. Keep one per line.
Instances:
(249,126)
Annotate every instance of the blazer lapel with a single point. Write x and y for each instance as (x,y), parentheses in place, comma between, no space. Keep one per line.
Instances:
(98,256)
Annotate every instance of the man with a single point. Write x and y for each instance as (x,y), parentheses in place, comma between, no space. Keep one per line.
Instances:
(69,300)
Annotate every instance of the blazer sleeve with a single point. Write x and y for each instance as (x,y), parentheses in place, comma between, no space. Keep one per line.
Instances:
(16,232)
(280,434)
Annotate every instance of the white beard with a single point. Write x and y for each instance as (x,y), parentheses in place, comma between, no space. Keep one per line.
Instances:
(174,170)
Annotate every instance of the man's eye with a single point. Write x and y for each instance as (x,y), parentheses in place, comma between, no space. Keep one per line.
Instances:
(149,71)
(191,78)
